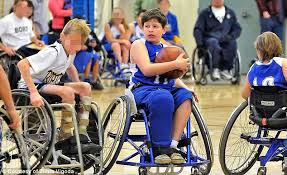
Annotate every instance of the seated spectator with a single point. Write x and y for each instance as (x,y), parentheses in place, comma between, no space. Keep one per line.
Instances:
(16,31)
(135,28)
(87,60)
(116,37)
(217,29)
(171,35)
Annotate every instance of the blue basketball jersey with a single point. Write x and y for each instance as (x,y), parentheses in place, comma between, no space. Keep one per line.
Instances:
(138,76)
(267,74)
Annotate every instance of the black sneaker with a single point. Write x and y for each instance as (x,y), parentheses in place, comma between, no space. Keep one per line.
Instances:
(69,146)
(97,85)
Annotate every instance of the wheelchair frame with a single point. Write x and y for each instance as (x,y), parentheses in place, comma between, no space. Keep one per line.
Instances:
(259,140)
(56,154)
(200,77)
(145,150)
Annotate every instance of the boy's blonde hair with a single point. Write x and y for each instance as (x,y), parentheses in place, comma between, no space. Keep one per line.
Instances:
(269,45)
(77,25)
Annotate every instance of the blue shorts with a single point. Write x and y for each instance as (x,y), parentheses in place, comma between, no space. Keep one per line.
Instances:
(160,105)
(83,58)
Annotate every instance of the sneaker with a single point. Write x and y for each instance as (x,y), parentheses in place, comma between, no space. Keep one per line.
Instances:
(215,74)
(162,159)
(97,85)
(176,158)
(226,74)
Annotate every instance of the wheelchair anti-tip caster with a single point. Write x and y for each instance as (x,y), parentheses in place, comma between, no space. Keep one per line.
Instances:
(142,171)
(194,171)
(262,171)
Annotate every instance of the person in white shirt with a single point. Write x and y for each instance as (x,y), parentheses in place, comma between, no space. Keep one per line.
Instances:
(41,73)
(16,31)
(217,29)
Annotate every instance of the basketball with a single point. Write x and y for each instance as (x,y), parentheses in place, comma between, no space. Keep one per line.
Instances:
(167,54)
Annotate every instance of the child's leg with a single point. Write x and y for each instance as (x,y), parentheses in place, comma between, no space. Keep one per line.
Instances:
(84,90)
(88,70)
(160,107)
(182,98)
(117,51)
(68,96)
(125,51)
(181,117)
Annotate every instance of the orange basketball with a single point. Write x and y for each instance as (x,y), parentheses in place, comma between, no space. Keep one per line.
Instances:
(167,54)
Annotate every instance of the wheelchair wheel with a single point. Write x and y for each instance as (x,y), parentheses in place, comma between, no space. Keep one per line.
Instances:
(236,154)
(114,126)
(9,64)
(198,65)
(13,153)
(236,77)
(38,128)
(201,145)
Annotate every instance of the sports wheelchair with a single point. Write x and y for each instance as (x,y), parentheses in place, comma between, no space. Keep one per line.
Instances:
(253,130)
(195,145)
(39,129)
(201,66)
(110,69)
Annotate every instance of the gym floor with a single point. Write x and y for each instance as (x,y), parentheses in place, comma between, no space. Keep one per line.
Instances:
(216,102)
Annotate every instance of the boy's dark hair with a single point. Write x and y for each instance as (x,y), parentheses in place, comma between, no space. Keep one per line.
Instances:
(154,14)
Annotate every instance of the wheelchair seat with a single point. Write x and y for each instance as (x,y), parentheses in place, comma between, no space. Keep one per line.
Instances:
(268,106)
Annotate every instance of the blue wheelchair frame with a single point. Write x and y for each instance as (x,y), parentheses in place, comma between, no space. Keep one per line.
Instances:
(109,67)
(192,160)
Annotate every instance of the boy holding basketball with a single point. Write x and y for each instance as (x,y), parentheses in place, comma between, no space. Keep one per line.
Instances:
(167,101)
(270,69)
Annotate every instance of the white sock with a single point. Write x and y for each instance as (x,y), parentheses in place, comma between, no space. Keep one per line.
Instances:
(174,144)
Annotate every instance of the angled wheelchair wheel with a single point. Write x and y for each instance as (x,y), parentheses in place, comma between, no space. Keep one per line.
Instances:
(198,65)
(236,74)
(38,128)
(201,145)
(115,127)
(236,154)
(9,64)
(13,153)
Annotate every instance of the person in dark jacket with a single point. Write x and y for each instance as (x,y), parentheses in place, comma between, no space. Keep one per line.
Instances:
(271,16)
(217,29)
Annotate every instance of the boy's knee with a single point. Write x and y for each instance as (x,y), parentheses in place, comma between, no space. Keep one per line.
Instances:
(85,89)
(163,98)
(67,94)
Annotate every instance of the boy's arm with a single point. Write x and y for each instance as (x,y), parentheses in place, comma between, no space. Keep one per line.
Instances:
(180,84)
(6,96)
(246,90)
(24,67)
(73,73)
(140,57)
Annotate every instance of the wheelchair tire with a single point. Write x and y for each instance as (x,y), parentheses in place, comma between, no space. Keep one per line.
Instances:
(41,140)
(245,162)
(202,135)
(111,151)
(198,66)
(14,153)
(236,74)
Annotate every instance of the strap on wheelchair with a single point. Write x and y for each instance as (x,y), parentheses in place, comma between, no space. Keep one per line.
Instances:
(183,143)
(275,121)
